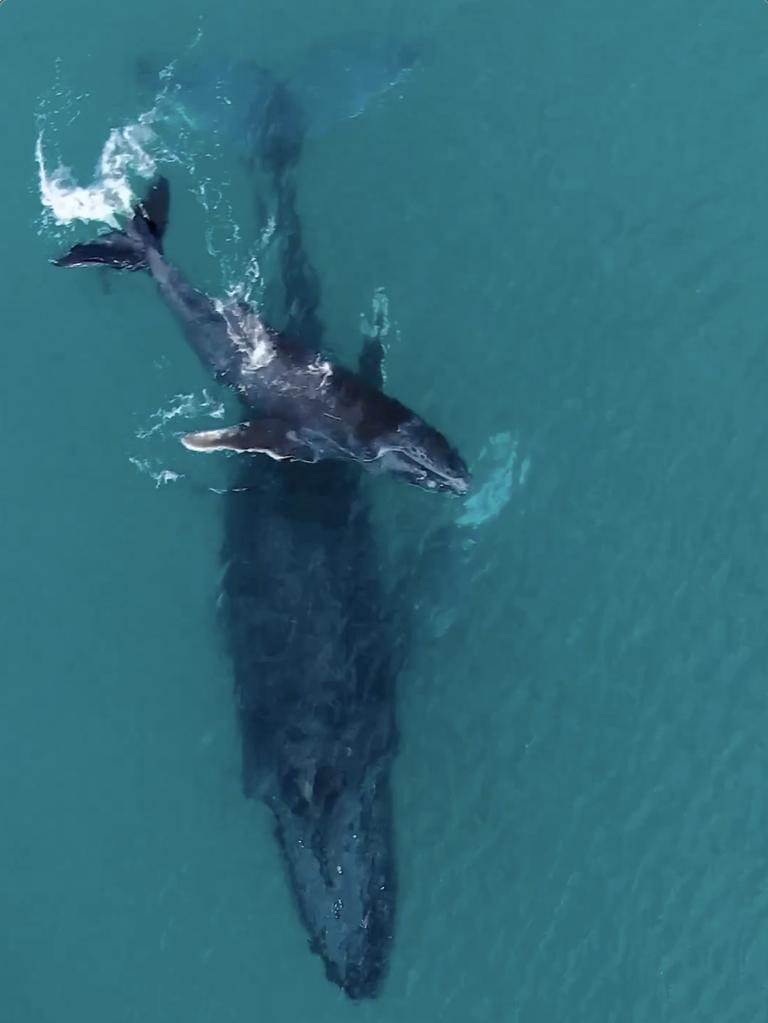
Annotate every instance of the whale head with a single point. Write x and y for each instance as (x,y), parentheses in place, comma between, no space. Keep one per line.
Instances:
(420,455)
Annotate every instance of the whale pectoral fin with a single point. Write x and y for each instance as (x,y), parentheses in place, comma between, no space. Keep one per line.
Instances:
(273,437)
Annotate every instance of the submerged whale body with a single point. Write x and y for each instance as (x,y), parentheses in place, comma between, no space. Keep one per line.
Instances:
(310,410)
(316,653)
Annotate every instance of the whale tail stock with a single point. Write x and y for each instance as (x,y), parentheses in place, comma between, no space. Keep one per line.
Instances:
(127,249)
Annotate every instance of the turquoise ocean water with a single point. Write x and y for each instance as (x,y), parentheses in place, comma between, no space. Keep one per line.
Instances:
(566,207)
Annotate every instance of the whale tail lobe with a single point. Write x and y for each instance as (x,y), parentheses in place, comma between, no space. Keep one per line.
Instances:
(127,249)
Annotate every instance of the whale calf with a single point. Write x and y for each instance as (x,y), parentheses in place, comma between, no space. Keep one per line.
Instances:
(309,409)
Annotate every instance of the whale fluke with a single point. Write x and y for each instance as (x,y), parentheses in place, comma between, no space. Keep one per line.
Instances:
(127,250)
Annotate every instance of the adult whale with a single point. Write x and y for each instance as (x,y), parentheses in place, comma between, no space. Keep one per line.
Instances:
(316,646)
(310,409)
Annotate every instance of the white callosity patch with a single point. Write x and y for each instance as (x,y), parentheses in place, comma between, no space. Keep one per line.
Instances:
(499,463)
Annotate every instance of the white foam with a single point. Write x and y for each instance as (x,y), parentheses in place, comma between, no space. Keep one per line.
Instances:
(241,289)
(158,431)
(130,155)
(246,331)
(126,155)
(182,406)
(160,476)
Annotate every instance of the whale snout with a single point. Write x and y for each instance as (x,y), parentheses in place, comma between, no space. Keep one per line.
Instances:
(358,972)
(460,487)
(341,865)
(456,475)
(421,456)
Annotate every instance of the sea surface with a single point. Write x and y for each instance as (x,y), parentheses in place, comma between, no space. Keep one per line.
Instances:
(565,207)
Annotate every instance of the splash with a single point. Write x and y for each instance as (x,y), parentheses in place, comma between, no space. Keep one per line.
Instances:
(182,406)
(160,476)
(126,154)
(129,157)
(243,283)
(500,459)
